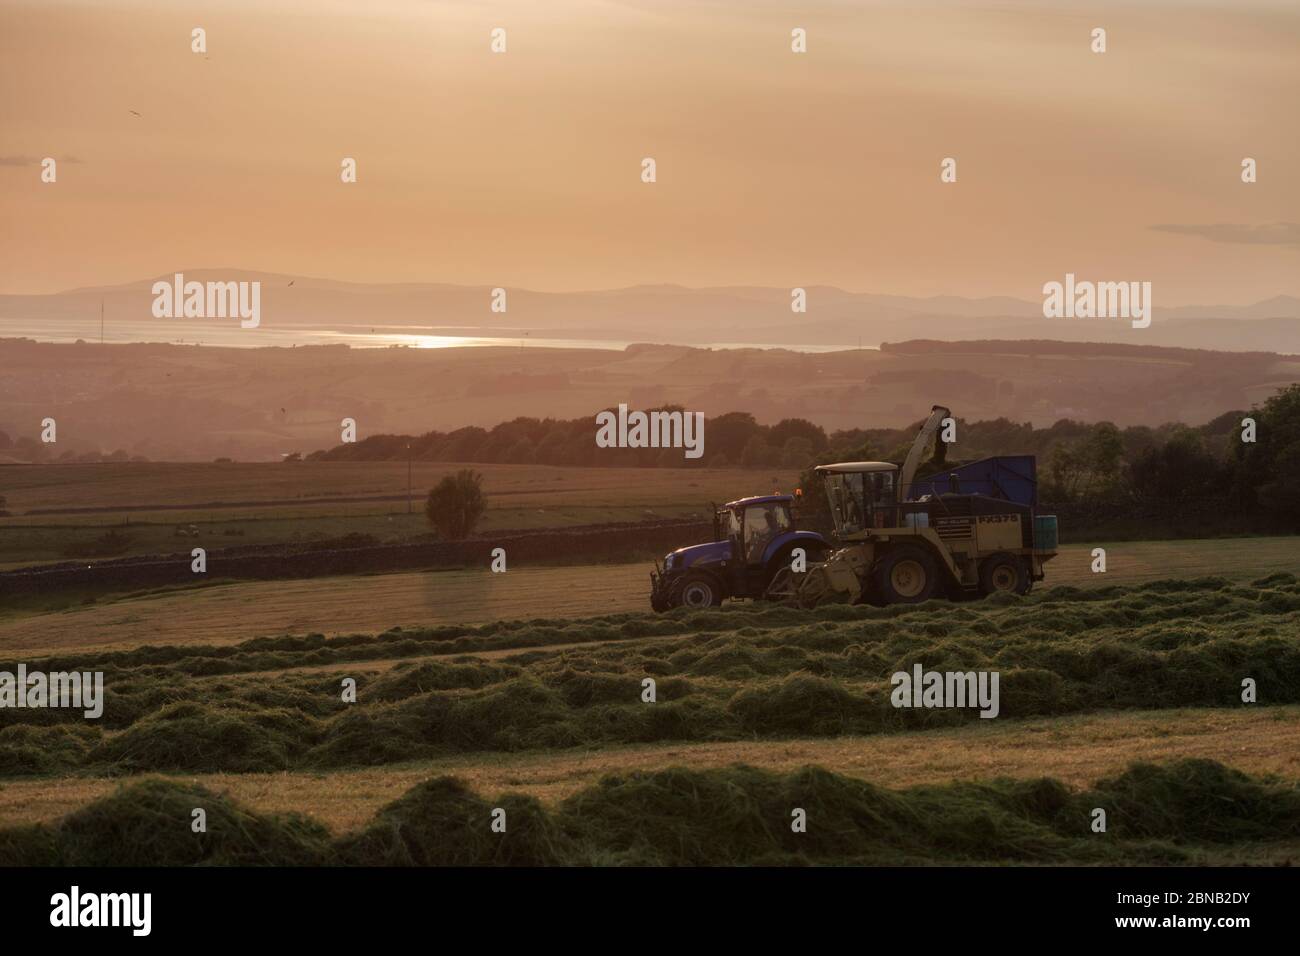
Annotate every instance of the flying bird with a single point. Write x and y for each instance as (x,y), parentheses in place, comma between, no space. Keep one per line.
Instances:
(134,113)
(291,281)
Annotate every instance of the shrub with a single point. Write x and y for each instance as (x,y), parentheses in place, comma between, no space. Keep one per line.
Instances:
(456,504)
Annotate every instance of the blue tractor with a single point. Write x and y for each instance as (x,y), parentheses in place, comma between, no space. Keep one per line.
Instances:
(753,542)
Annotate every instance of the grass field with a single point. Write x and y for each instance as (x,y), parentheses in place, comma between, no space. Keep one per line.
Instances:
(268,503)
(1075,750)
(545,717)
(228,613)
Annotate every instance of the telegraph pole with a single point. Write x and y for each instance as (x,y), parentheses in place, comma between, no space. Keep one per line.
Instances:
(408,477)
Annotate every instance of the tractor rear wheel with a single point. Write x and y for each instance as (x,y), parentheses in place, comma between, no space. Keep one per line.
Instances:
(1004,573)
(695,590)
(906,575)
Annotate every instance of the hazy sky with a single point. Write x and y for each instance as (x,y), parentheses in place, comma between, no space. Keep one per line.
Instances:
(523,168)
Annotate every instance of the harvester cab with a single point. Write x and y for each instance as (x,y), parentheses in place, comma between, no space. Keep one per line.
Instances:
(865,496)
(862,495)
(753,540)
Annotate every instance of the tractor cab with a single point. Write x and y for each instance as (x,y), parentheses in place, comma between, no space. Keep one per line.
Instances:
(751,525)
(862,495)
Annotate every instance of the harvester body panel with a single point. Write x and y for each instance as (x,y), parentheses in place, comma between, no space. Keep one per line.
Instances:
(1011,477)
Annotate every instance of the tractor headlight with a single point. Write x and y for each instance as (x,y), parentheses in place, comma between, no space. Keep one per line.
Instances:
(668,562)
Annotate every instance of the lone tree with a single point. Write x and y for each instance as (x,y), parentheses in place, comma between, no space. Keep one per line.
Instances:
(456,504)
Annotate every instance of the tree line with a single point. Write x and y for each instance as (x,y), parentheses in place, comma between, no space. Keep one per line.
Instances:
(731,440)
(1239,472)
(1080,464)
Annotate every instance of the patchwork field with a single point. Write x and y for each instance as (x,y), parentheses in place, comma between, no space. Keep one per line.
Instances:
(110,486)
(1123,697)
(55,508)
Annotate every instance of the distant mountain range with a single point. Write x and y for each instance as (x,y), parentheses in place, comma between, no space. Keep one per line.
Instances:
(669,314)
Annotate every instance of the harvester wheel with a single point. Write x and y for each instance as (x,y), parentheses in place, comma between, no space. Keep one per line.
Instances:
(695,590)
(1004,572)
(906,575)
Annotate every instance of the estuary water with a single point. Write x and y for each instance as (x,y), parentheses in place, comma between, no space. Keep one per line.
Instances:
(226,333)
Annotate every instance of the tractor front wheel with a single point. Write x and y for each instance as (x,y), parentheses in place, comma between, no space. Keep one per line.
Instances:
(695,590)
(906,575)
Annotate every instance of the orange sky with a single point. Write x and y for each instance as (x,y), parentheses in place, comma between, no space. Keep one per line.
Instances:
(776,169)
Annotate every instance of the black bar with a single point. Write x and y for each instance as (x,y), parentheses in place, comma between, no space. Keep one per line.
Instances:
(916,905)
